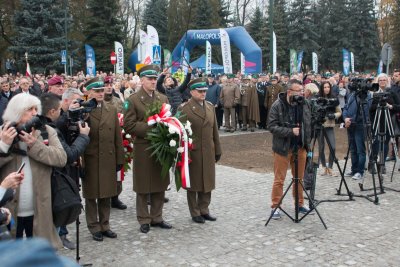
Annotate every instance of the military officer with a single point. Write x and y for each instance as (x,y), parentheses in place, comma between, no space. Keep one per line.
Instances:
(230,97)
(201,115)
(147,172)
(261,85)
(102,157)
(272,93)
(249,104)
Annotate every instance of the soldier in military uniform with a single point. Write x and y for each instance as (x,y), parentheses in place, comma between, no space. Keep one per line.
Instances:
(102,158)
(207,150)
(261,87)
(147,172)
(109,98)
(230,97)
(249,104)
(272,93)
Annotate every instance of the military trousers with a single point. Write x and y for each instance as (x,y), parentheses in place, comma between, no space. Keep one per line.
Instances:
(245,115)
(198,203)
(98,214)
(144,216)
(230,118)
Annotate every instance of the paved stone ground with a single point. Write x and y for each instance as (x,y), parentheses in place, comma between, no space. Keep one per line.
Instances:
(359,233)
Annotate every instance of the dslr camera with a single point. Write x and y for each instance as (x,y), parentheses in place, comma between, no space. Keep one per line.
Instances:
(34,123)
(323,107)
(79,115)
(296,100)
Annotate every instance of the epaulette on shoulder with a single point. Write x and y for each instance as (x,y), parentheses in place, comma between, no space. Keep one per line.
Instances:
(183,104)
(208,102)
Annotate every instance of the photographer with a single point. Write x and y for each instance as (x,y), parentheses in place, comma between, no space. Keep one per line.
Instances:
(332,113)
(286,137)
(354,122)
(32,205)
(384,96)
(51,109)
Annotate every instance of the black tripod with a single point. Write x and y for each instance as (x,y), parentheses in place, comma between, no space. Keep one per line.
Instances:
(295,182)
(319,132)
(383,128)
(361,105)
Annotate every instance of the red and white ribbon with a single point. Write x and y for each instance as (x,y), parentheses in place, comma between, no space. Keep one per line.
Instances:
(165,118)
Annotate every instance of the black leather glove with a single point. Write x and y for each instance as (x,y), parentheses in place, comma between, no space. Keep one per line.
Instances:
(119,167)
(331,116)
(217,158)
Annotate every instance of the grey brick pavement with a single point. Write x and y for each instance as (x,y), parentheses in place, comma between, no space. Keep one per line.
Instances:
(359,232)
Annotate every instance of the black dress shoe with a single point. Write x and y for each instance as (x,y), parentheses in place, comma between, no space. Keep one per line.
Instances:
(98,236)
(166,199)
(163,225)
(109,234)
(198,219)
(208,217)
(118,204)
(145,228)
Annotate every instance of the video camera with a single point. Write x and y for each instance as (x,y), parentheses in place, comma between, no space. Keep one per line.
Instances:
(381,98)
(296,100)
(79,115)
(322,108)
(362,86)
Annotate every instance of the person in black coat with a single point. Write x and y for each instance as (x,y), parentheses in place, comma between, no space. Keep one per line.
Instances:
(169,87)
(24,87)
(6,90)
(51,109)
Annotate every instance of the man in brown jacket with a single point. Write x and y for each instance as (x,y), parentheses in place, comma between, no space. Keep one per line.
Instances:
(249,104)
(230,97)
(102,157)
(206,152)
(272,93)
(147,172)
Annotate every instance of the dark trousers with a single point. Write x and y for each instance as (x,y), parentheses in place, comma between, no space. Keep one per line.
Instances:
(144,216)
(219,112)
(198,203)
(98,214)
(263,117)
(25,224)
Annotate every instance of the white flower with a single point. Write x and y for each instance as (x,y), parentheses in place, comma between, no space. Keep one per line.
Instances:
(190,141)
(180,149)
(125,149)
(131,145)
(123,131)
(171,130)
(172,143)
(188,124)
(128,136)
(189,131)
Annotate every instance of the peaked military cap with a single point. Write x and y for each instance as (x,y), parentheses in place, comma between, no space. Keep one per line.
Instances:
(150,71)
(95,83)
(254,76)
(230,76)
(198,84)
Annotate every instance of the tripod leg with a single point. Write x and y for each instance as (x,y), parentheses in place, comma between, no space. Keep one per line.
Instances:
(313,208)
(280,202)
(344,170)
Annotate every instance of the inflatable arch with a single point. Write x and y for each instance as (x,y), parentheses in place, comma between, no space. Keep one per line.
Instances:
(237,35)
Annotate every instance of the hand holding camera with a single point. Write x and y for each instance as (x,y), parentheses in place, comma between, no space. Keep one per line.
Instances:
(8,134)
(84,130)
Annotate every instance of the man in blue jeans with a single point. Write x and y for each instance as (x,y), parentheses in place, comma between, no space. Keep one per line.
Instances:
(355,122)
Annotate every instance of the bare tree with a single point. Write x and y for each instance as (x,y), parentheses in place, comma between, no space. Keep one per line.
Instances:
(130,14)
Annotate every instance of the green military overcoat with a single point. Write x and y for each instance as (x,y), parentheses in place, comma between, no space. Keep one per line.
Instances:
(146,171)
(206,144)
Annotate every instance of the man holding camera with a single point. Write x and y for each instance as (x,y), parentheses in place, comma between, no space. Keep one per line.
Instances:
(289,121)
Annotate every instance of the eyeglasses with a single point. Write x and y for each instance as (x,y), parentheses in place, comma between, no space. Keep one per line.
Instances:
(382,80)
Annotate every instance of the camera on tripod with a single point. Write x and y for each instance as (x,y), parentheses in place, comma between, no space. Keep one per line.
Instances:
(322,108)
(79,115)
(296,100)
(362,86)
(380,98)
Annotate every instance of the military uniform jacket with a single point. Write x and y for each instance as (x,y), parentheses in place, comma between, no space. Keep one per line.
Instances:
(230,95)
(253,112)
(103,153)
(146,171)
(206,144)
(272,94)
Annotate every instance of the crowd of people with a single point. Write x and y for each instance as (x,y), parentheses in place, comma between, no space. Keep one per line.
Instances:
(210,102)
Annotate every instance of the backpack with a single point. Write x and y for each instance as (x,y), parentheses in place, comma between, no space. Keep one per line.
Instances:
(66,201)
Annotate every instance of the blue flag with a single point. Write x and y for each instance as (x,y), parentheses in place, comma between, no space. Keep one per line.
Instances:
(346,62)
(299,60)
(90,60)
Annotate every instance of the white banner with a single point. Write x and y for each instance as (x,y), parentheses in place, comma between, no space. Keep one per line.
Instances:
(145,51)
(226,51)
(242,64)
(152,39)
(352,61)
(315,62)
(273,52)
(208,57)
(119,51)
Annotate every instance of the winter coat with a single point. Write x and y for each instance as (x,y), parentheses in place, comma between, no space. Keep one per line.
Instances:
(146,171)
(213,92)
(206,144)
(42,160)
(103,154)
(230,95)
(277,120)
(271,94)
(174,94)
(250,100)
